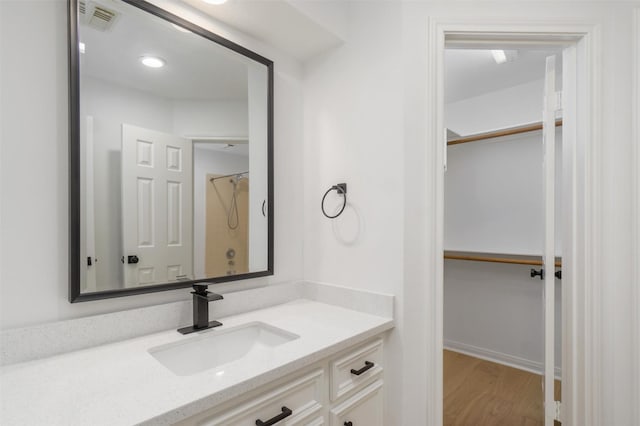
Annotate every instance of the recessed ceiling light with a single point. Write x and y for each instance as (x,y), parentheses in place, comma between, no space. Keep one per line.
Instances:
(152,61)
(179,28)
(81,47)
(215,1)
(499,56)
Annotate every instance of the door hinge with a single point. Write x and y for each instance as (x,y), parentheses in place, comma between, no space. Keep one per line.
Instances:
(444,154)
(558,411)
(558,102)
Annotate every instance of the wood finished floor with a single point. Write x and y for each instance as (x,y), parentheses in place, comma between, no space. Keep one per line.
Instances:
(483,393)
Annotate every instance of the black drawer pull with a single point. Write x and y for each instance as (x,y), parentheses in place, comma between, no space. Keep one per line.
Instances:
(348,423)
(285,413)
(367,366)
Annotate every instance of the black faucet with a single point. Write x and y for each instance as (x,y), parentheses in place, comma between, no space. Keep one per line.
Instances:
(201,299)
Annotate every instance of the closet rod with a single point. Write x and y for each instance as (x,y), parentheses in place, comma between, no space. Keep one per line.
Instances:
(494,258)
(502,132)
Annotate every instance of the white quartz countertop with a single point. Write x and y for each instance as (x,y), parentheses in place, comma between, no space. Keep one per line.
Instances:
(122,384)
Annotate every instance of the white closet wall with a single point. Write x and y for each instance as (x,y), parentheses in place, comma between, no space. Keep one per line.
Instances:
(497,110)
(493,195)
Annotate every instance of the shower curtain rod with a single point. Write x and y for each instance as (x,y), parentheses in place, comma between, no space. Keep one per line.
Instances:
(226,176)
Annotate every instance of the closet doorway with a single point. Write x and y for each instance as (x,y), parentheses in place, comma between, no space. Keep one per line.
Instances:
(502,235)
(581,334)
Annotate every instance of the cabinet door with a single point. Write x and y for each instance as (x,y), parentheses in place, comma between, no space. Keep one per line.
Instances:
(363,409)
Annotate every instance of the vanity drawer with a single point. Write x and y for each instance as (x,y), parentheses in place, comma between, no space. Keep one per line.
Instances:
(355,369)
(363,409)
(303,397)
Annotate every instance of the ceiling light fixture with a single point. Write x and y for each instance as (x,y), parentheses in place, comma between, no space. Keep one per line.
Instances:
(152,61)
(81,47)
(499,56)
(216,2)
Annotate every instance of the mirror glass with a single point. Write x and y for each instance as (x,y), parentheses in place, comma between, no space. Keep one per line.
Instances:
(171,132)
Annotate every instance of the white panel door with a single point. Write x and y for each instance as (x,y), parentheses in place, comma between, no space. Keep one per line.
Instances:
(551,105)
(157,205)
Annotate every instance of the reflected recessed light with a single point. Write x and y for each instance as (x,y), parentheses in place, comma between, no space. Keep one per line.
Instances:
(152,61)
(179,28)
(499,56)
(81,47)
(215,1)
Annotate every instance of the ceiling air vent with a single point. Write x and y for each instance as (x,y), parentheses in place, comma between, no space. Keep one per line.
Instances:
(82,7)
(102,18)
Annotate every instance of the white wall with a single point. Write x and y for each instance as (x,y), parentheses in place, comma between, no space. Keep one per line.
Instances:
(258,188)
(354,134)
(210,118)
(365,109)
(206,161)
(494,195)
(471,116)
(34,244)
(495,311)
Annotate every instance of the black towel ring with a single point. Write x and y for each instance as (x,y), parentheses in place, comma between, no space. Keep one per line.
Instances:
(340,188)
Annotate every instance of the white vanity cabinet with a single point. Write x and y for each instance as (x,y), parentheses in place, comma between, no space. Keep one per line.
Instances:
(345,389)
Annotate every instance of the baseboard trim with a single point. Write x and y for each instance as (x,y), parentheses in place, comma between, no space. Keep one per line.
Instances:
(498,357)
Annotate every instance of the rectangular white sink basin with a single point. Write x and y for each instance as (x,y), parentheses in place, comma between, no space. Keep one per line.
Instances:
(217,347)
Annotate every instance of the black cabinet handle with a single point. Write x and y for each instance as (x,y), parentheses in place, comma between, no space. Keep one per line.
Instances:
(348,423)
(367,366)
(559,274)
(272,421)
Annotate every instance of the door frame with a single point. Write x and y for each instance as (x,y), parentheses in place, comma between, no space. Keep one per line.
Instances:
(581,325)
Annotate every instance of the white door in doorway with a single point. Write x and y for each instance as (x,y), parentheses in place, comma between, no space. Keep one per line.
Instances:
(551,106)
(156,206)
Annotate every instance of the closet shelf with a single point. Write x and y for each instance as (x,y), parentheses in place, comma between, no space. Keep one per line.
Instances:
(502,132)
(497,258)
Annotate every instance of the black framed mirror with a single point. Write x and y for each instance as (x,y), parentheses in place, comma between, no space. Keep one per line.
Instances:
(171,153)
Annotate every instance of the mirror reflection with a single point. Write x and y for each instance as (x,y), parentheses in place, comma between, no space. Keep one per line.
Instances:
(174,153)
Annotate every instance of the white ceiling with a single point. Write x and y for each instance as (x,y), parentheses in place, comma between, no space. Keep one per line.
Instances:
(293,28)
(196,68)
(235,147)
(200,69)
(470,73)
